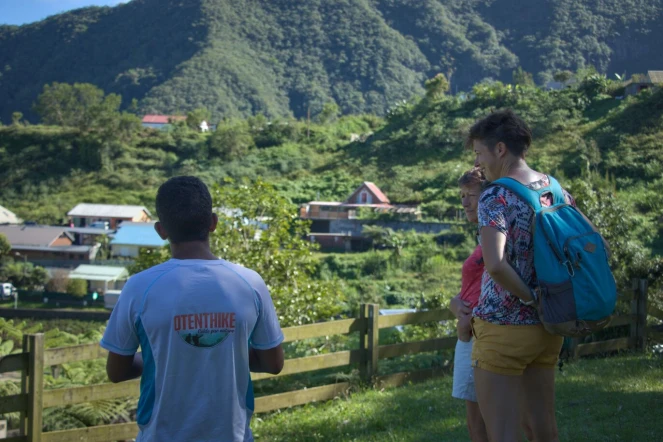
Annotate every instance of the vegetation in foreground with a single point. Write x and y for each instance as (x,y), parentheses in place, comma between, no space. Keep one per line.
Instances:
(611,399)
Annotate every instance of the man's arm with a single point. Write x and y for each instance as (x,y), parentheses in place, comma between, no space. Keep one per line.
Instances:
(266,361)
(493,243)
(123,368)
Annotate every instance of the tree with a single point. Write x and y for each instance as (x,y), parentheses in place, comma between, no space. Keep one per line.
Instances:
(231,141)
(387,238)
(563,76)
(77,287)
(25,276)
(148,257)
(5,246)
(523,78)
(104,251)
(16,118)
(436,87)
(329,113)
(617,221)
(197,116)
(260,229)
(58,282)
(80,105)
(594,85)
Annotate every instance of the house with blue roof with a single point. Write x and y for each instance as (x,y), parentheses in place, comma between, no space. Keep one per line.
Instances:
(131,237)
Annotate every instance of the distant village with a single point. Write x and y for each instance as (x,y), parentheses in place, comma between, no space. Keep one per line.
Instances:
(101,240)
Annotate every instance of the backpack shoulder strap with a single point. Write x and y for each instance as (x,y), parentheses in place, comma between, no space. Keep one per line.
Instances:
(557,192)
(532,197)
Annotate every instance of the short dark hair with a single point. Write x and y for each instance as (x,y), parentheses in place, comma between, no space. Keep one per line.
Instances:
(502,126)
(184,207)
(473,177)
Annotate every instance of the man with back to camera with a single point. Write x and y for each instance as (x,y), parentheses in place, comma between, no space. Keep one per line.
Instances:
(202,324)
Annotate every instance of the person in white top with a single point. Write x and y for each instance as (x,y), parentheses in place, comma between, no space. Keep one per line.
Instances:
(202,324)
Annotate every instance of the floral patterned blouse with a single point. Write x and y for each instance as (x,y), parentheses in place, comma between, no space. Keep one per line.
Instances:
(503,210)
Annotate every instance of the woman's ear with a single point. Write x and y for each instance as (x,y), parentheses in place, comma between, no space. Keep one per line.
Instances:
(501,150)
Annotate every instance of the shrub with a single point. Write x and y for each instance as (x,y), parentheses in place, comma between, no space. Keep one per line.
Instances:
(77,287)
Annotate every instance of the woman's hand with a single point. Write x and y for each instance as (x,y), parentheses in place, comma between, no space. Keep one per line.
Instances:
(459,307)
(464,328)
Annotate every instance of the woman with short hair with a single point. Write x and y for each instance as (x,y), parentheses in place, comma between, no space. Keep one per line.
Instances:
(463,376)
(513,355)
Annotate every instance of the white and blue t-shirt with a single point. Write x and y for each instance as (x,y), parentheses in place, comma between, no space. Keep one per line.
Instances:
(194,321)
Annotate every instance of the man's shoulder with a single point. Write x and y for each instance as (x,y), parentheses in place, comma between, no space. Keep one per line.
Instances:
(250,276)
(142,280)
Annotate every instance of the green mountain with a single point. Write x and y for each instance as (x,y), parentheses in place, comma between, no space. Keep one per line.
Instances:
(286,57)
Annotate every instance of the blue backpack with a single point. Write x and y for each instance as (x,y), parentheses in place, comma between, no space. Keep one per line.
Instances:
(576,289)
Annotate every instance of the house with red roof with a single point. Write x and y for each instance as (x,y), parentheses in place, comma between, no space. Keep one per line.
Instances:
(161,121)
(337,225)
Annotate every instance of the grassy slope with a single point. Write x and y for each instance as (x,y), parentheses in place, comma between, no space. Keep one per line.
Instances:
(613,399)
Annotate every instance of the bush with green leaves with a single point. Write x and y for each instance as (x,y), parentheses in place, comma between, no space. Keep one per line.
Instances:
(77,287)
(22,275)
(617,220)
(231,140)
(260,229)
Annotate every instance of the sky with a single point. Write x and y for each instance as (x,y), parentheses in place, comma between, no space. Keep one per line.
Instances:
(19,12)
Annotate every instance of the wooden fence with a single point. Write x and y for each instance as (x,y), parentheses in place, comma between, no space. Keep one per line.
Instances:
(35,360)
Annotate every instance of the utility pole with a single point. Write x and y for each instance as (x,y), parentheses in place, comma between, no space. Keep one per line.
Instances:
(308,122)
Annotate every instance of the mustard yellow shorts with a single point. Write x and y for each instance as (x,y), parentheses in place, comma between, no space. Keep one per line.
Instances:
(509,349)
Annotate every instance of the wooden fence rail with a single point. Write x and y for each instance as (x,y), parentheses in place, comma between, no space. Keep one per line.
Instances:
(35,360)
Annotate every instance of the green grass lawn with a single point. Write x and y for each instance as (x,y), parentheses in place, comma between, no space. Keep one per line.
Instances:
(611,399)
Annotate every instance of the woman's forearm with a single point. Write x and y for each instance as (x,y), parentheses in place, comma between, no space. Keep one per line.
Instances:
(504,275)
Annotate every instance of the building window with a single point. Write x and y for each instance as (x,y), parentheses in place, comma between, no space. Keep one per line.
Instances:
(363,197)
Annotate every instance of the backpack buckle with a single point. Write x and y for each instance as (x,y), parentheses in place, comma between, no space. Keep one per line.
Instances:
(569,268)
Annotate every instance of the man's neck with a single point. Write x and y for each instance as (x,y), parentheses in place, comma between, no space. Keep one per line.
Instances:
(192,250)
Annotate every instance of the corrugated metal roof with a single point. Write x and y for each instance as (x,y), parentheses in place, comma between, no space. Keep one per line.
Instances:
(162,119)
(137,234)
(63,249)
(8,217)
(38,236)
(655,77)
(90,231)
(107,210)
(99,273)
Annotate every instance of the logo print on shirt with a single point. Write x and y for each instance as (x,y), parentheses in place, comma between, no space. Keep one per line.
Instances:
(204,329)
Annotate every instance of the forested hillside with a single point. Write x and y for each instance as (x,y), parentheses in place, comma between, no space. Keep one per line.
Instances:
(284,57)
(415,154)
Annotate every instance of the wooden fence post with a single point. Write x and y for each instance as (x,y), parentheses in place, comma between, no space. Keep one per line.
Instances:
(369,341)
(363,344)
(642,314)
(573,348)
(373,338)
(35,387)
(23,418)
